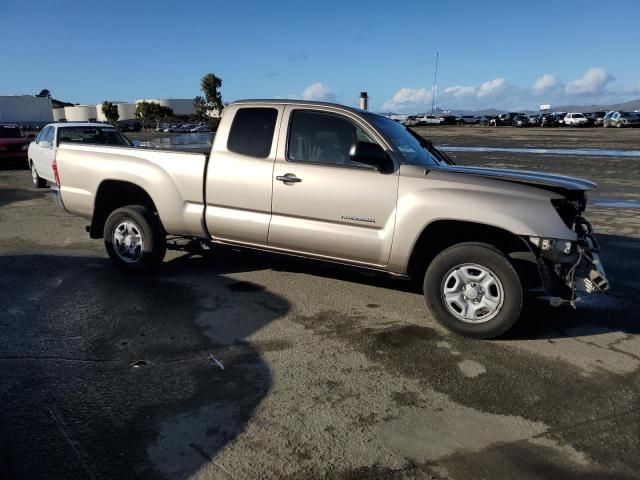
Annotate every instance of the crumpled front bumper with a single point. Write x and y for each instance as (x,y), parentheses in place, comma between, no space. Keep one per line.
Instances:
(590,276)
(574,270)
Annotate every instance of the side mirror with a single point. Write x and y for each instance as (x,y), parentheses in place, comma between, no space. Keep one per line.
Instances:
(44,144)
(371,154)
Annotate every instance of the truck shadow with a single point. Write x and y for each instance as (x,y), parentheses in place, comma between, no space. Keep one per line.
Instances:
(111,376)
(612,311)
(13,195)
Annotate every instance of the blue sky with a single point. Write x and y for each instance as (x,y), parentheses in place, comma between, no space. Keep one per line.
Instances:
(501,54)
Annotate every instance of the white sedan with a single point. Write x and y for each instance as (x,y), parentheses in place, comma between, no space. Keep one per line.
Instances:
(42,151)
(575,120)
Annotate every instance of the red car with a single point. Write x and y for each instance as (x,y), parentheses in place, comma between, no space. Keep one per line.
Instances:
(13,144)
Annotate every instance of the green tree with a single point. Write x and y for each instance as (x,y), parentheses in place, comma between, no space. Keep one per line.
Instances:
(210,86)
(152,112)
(44,93)
(110,111)
(200,106)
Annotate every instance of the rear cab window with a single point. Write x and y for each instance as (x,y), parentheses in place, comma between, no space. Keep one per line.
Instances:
(251,132)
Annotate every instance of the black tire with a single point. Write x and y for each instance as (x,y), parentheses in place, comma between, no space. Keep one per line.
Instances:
(146,226)
(35,178)
(496,262)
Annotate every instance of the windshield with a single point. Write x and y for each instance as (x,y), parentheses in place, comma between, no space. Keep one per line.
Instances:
(409,147)
(10,132)
(93,135)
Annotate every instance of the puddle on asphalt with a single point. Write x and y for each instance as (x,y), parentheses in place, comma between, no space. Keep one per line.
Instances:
(591,152)
(615,203)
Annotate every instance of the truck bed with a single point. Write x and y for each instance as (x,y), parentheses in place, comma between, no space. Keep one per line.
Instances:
(165,175)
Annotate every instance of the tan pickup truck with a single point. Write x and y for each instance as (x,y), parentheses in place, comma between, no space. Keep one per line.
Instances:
(344,185)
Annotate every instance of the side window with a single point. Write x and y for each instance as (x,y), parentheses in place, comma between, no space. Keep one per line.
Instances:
(323,138)
(49,136)
(43,133)
(252,131)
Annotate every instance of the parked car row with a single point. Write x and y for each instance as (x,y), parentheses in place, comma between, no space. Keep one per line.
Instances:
(185,128)
(520,119)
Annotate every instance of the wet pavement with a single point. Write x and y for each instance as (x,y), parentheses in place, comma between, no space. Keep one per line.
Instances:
(242,365)
(585,152)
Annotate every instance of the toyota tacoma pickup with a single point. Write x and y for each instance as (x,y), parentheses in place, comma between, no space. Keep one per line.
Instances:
(339,184)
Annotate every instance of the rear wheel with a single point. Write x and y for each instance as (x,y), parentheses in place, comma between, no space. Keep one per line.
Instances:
(134,238)
(474,290)
(35,178)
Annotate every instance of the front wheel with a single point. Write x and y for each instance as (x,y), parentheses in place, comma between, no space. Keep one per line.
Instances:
(134,238)
(474,290)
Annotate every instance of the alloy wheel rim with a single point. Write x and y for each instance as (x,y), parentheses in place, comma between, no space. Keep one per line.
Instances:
(128,241)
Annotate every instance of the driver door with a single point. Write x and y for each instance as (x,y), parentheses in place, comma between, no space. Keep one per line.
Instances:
(324,204)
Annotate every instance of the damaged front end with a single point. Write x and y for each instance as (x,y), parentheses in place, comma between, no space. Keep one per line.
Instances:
(570,270)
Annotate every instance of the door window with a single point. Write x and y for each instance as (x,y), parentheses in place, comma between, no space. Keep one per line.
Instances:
(49,136)
(41,136)
(323,138)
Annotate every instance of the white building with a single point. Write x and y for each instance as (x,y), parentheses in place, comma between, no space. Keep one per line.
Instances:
(59,115)
(25,109)
(126,111)
(80,113)
(180,106)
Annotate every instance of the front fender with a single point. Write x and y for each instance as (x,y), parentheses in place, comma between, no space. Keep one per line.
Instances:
(518,209)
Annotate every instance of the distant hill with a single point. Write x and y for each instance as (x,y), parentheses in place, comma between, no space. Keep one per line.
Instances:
(628,106)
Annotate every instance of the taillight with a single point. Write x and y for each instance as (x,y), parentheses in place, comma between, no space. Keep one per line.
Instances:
(56,175)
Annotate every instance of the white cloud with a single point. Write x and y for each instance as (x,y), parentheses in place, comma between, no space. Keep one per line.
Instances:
(491,87)
(408,99)
(595,87)
(460,90)
(412,95)
(319,92)
(545,83)
(592,83)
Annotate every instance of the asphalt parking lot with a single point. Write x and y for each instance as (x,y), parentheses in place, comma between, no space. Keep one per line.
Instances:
(239,365)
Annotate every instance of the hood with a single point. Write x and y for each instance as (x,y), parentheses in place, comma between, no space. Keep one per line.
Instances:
(549,181)
(15,141)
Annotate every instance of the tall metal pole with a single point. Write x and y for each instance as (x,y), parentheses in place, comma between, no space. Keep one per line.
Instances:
(433,93)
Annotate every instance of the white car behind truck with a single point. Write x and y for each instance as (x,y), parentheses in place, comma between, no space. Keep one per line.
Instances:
(42,150)
(338,184)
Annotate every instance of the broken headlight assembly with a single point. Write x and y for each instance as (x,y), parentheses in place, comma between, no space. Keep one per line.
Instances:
(570,269)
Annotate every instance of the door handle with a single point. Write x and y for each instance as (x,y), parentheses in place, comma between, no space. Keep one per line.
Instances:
(288,178)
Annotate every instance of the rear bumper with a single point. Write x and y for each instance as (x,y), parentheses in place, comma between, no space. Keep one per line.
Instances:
(56,196)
